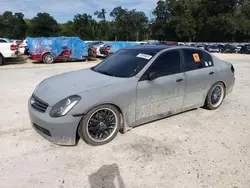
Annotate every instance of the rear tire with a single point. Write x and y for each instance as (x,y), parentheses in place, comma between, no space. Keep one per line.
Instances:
(48,59)
(215,96)
(100,125)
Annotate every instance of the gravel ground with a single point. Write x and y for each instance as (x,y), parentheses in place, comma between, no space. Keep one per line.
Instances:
(198,148)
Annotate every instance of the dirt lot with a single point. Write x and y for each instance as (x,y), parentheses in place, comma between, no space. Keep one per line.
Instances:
(199,148)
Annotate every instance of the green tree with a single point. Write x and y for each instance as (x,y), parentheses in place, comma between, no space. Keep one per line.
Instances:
(129,25)
(162,28)
(120,30)
(44,25)
(101,14)
(67,29)
(85,26)
(103,26)
(183,21)
(13,25)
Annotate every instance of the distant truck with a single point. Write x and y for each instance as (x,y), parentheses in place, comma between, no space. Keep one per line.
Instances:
(7,50)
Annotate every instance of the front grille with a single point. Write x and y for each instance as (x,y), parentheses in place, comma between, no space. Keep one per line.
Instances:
(38,104)
(43,130)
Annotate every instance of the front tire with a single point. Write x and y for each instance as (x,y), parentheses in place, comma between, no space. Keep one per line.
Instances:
(100,125)
(215,96)
(48,58)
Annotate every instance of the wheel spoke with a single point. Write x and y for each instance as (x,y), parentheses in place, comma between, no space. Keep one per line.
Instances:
(216,95)
(100,135)
(93,122)
(111,118)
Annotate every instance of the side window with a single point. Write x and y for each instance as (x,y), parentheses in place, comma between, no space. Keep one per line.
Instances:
(1,40)
(166,64)
(196,59)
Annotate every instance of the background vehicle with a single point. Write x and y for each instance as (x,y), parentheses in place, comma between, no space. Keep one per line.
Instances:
(113,47)
(4,40)
(51,49)
(23,48)
(98,52)
(215,48)
(91,52)
(137,85)
(105,50)
(245,49)
(7,50)
(228,48)
(200,46)
(142,42)
(238,47)
(94,43)
(17,42)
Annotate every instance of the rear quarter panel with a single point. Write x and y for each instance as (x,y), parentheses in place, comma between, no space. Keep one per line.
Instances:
(224,73)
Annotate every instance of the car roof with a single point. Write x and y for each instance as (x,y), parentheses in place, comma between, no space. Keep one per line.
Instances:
(153,49)
(148,49)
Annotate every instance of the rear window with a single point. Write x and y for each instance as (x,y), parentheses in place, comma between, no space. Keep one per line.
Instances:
(196,59)
(1,40)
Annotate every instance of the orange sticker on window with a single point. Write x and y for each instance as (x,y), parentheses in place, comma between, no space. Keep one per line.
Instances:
(196,58)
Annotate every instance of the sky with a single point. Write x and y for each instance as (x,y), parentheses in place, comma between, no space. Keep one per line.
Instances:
(64,10)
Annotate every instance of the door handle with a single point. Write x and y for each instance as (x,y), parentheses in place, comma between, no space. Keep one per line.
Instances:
(179,80)
(211,73)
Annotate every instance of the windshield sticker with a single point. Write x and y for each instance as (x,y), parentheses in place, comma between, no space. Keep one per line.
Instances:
(206,64)
(144,56)
(196,58)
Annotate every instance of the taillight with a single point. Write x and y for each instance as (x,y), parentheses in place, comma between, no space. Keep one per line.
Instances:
(107,49)
(12,47)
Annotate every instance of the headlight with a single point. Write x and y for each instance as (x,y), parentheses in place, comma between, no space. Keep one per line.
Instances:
(64,106)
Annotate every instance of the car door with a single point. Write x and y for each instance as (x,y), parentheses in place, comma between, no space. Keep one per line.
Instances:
(164,94)
(200,76)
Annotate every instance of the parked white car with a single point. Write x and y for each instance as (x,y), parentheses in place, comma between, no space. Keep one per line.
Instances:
(7,50)
(4,40)
(23,47)
(142,42)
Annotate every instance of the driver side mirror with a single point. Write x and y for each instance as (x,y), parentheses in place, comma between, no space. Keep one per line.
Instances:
(152,76)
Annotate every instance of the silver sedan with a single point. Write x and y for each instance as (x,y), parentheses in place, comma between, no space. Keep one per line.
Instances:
(133,86)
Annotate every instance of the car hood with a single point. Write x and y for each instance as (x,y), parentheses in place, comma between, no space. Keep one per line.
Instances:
(56,88)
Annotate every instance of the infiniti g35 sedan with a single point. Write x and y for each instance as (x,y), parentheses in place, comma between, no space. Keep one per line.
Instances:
(134,86)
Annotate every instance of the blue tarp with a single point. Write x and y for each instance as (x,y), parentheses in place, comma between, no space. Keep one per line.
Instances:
(55,45)
(115,46)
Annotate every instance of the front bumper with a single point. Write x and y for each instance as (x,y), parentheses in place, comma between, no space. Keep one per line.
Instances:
(61,131)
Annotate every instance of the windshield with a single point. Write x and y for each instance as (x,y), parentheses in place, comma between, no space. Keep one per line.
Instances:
(124,63)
